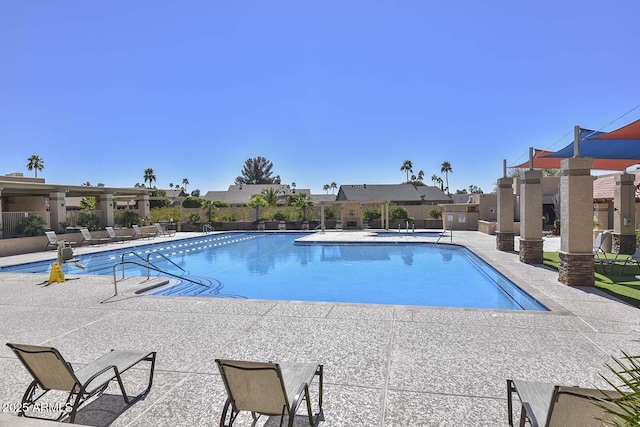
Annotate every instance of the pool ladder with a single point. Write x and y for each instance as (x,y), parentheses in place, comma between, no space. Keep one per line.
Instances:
(442,234)
(207,228)
(150,266)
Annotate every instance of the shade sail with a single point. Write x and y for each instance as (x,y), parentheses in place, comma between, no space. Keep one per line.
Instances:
(621,144)
(542,161)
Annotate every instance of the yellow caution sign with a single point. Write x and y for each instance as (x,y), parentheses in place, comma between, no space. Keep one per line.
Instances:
(56,274)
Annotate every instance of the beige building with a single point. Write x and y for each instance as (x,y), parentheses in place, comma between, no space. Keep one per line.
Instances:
(22,196)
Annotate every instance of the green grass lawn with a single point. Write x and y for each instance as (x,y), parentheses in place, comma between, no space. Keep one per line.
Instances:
(625,287)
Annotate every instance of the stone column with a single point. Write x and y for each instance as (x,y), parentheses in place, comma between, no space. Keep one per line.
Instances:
(322,227)
(106,207)
(576,223)
(624,215)
(504,228)
(58,209)
(531,218)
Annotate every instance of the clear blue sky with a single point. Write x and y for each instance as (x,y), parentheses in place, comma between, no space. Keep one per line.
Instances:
(340,91)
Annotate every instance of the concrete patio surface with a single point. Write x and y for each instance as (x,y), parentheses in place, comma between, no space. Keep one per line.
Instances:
(384,365)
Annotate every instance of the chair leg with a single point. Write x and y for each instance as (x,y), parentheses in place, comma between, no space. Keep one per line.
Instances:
(510,390)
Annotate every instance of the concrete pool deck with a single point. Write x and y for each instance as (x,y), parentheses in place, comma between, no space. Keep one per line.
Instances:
(384,365)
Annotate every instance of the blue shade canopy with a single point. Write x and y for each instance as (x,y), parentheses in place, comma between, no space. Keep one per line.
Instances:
(602,145)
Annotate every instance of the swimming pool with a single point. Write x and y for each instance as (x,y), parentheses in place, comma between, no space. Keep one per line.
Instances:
(273,266)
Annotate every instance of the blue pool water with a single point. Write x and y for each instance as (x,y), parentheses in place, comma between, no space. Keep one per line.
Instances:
(273,266)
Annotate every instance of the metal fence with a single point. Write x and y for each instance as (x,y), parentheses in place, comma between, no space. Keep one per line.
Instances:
(11,221)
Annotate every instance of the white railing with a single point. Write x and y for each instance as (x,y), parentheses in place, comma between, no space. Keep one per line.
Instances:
(10,221)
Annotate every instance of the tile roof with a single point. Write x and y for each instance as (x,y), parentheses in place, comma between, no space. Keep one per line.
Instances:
(393,193)
(604,185)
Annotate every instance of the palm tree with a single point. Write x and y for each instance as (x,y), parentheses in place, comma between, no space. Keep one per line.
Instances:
(440,181)
(326,188)
(257,201)
(271,196)
(303,202)
(149,176)
(435,178)
(210,206)
(35,163)
(420,175)
(333,186)
(446,168)
(185,181)
(171,185)
(407,166)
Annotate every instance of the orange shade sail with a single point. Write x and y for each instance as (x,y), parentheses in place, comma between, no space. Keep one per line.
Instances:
(540,161)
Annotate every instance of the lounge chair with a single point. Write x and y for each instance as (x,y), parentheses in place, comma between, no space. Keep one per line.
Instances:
(53,240)
(163,231)
(599,253)
(50,371)
(269,389)
(115,237)
(559,406)
(139,234)
(635,258)
(86,237)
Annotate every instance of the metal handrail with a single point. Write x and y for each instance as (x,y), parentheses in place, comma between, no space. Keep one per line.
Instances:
(115,280)
(163,256)
(206,228)
(442,234)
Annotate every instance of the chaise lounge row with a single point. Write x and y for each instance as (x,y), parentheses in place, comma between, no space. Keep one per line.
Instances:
(113,236)
(258,387)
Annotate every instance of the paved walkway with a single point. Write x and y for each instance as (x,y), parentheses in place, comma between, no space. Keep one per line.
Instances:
(384,365)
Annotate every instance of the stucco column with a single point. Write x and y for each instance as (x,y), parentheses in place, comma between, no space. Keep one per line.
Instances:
(624,215)
(322,227)
(106,207)
(1,222)
(531,218)
(58,210)
(576,223)
(143,208)
(504,228)
(386,217)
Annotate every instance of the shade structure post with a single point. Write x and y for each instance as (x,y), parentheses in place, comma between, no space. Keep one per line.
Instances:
(576,141)
(531,218)
(624,214)
(504,228)
(576,266)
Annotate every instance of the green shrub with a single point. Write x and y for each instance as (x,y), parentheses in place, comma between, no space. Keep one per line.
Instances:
(229,217)
(88,220)
(192,202)
(32,225)
(330,213)
(126,218)
(166,214)
(281,215)
(435,213)
(368,214)
(398,212)
(195,218)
